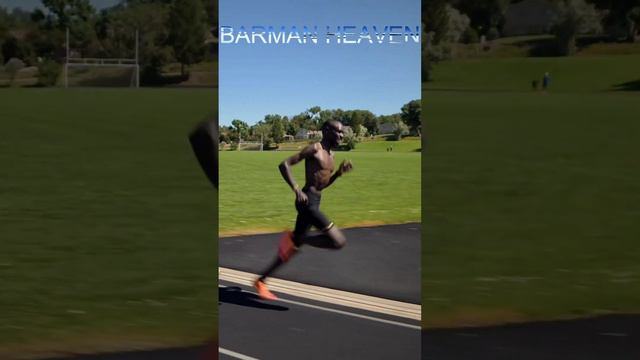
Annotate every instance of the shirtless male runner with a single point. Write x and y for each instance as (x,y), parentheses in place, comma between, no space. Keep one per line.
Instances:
(319,166)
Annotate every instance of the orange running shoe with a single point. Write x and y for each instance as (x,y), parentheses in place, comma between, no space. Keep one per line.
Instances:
(263,291)
(286,248)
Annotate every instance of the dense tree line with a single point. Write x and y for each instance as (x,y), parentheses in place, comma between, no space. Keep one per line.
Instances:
(169,31)
(361,123)
(618,18)
(447,22)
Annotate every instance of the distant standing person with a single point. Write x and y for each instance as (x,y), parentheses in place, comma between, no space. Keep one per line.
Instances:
(319,174)
(546,81)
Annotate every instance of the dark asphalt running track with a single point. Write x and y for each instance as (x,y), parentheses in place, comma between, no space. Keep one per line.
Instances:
(381,261)
(290,331)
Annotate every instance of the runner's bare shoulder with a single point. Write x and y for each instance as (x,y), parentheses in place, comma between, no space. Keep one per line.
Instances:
(310,150)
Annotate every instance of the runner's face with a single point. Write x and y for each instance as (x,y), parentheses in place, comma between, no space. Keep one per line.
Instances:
(336,134)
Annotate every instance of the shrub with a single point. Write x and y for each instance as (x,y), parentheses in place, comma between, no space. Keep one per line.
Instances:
(470,36)
(48,73)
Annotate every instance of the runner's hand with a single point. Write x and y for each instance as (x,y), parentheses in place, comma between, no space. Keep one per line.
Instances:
(301,197)
(345,166)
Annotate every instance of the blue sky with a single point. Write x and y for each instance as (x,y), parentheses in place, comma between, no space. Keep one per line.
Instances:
(31,4)
(286,79)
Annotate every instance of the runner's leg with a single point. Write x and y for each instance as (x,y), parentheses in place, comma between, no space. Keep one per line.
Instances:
(330,236)
(302,226)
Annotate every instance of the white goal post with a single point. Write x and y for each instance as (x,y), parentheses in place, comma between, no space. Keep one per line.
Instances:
(79,62)
(250,146)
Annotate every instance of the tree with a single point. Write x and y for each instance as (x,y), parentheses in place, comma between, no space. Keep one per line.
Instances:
(188,24)
(79,17)
(355,119)
(457,25)
(400,131)
(426,67)
(304,120)
(633,24)
(211,7)
(573,17)
(484,15)
(411,112)
(314,116)
(47,43)
(277,131)
(10,48)
(225,135)
(277,127)
(370,122)
(48,73)
(361,131)
(349,138)
(325,115)
(117,35)
(435,18)
(263,131)
(440,42)
(623,18)
(314,110)
(241,128)
(4,23)
(456,28)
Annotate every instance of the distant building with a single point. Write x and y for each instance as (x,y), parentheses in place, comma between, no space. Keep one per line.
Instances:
(386,128)
(529,17)
(304,134)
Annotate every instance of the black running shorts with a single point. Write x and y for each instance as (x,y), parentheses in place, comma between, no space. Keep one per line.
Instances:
(310,215)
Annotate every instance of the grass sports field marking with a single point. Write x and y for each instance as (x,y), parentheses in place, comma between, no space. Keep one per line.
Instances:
(235,354)
(337,297)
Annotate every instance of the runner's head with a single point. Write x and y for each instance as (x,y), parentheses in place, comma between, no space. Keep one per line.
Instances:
(332,132)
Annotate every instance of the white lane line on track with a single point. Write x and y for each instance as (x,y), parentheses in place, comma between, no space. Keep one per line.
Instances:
(337,297)
(235,354)
(341,312)
(390,322)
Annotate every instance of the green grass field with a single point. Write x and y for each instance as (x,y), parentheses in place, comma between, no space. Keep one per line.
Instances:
(573,75)
(108,223)
(530,204)
(383,188)
(530,199)
(406,145)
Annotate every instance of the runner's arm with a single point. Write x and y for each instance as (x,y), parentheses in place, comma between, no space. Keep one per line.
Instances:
(285,166)
(344,168)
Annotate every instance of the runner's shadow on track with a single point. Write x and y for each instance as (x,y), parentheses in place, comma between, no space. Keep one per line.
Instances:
(235,295)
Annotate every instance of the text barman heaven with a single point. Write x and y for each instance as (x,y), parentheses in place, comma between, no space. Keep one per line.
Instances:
(348,34)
